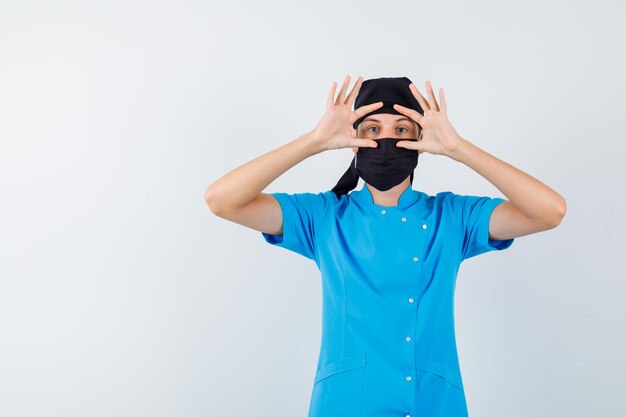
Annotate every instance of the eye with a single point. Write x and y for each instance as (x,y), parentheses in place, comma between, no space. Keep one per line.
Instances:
(405,129)
(372,127)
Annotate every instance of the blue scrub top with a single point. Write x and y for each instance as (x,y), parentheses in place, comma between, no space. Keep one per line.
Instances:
(388,276)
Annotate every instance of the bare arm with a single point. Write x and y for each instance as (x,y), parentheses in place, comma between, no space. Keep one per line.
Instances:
(238,196)
(532,207)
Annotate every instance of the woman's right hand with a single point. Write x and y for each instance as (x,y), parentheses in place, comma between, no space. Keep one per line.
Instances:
(334,130)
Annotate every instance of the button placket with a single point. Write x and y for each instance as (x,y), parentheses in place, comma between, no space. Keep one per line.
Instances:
(424,226)
(407,339)
(421,233)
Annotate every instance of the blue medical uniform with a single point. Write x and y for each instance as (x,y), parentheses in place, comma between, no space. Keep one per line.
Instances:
(388,277)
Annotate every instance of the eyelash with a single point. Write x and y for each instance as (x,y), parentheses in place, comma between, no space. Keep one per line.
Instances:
(406,130)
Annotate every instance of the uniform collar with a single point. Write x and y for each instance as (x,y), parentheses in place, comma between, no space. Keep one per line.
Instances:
(364,198)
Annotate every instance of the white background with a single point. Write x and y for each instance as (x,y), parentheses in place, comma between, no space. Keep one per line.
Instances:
(121,294)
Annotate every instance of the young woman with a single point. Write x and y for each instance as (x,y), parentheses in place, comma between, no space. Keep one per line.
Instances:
(388,254)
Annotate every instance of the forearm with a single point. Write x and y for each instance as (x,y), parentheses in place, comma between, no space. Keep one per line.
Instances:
(239,186)
(531,196)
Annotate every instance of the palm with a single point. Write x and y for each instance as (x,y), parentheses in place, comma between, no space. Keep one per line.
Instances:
(336,121)
(335,130)
(438,136)
(437,133)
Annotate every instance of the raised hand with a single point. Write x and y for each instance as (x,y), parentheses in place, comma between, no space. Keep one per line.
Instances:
(437,134)
(334,130)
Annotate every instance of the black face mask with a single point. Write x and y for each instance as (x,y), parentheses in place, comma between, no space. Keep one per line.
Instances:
(386,165)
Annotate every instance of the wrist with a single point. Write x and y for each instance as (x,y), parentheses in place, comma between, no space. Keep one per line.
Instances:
(315,144)
(458,152)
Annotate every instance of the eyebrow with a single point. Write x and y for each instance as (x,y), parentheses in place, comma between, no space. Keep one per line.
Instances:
(368,119)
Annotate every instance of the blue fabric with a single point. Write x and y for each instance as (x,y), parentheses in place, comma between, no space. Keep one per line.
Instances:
(388,277)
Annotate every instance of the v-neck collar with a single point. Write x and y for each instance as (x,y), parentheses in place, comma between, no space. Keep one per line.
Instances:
(364,197)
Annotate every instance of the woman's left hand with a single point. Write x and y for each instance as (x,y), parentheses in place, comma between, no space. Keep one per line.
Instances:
(437,136)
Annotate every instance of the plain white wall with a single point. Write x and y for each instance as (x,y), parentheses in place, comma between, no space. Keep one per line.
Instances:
(122,295)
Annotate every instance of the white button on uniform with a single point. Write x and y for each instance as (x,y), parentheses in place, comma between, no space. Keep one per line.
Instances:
(408,338)
(408,415)
(408,378)
(383,212)
(411,300)
(424,226)
(404,219)
(415,258)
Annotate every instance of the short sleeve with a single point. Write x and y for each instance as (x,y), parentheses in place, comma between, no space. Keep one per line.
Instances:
(473,214)
(301,215)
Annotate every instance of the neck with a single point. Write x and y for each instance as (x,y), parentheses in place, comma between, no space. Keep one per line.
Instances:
(390,197)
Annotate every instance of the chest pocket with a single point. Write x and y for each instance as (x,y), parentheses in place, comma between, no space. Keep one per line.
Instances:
(338,388)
